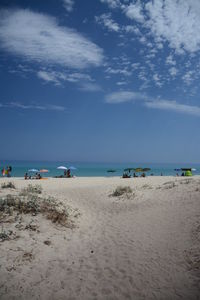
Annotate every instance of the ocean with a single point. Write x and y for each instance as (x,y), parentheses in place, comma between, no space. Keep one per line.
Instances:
(19,168)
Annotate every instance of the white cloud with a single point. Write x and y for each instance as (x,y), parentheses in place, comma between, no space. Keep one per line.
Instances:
(175,21)
(90,87)
(124,71)
(188,77)
(38,37)
(48,76)
(85,82)
(174,106)
(106,21)
(68,5)
(157,79)
(134,12)
(173,71)
(123,96)
(170,60)
(112,3)
(33,106)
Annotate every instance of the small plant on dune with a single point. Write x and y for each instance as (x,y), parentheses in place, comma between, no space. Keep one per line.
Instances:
(33,204)
(121,190)
(31,189)
(53,211)
(8,185)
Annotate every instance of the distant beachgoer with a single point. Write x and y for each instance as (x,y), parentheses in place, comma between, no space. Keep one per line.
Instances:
(183,174)
(3,172)
(8,172)
(161,174)
(177,174)
(134,175)
(68,173)
(65,173)
(38,176)
(26,176)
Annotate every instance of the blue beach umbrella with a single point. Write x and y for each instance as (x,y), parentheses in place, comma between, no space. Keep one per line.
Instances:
(72,168)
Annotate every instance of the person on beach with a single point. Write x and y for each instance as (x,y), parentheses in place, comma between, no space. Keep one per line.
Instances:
(3,172)
(68,173)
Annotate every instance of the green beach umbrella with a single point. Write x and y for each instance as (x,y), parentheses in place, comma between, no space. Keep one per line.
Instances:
(146,169)
(138,170)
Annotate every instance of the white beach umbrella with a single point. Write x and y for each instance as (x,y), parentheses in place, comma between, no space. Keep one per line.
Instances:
(61,168)
(33,170)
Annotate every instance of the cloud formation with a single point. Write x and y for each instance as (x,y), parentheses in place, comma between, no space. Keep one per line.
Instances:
(174,106)
(130,96)
(107,21)
(33,106)
(176,22)
(112,3)
(38,37)
(123,96)
(68,5)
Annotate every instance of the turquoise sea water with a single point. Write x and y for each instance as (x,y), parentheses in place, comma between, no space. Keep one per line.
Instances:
(93,169)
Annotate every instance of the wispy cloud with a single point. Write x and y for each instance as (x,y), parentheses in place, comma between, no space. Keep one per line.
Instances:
(38,37)
(172,21)
(84,81)
(23,106)
(48,77)
(134,12)
(112,3)
(107,21)
(68,5)
(131,96)
(176,22)
(124,96)
(174,106)
(123,71)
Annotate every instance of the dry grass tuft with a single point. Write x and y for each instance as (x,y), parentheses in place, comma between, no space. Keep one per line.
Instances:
(122,190)
(30,202)
(8,185)
(31,189)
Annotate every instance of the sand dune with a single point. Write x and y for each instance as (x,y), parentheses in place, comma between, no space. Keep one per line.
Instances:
(141,245)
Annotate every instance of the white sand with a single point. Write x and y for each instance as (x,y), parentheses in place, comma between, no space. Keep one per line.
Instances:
(146,246)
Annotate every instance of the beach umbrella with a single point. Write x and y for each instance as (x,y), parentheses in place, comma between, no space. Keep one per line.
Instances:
(111,171)
(194,169)
(146,169)
(61,168)
(128,169)
(72,168)
(44,171)
(138,170)
(33,170)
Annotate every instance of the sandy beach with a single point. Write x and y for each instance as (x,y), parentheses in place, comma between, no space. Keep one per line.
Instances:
(143,244)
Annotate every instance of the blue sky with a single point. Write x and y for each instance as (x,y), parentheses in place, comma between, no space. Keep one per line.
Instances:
(100,80)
